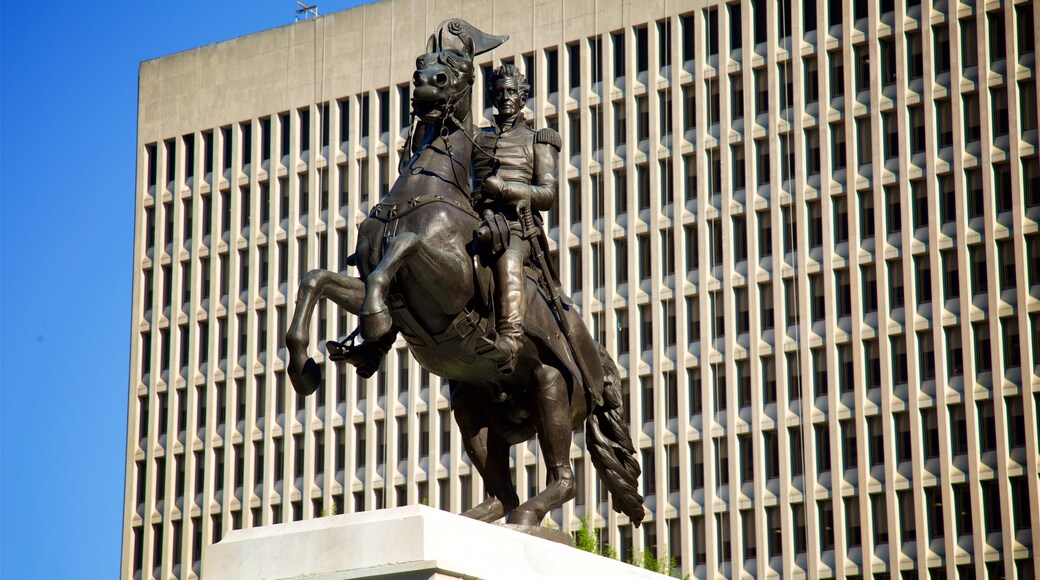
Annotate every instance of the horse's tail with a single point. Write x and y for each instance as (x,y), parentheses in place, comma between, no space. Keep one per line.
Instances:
(610,446)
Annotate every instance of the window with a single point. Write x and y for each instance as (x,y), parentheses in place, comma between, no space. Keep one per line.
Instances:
(895,283)
(819,303)
(697,463)
(305,129)
(861,60)
(979,283)
(876,439)
(888,60)
(962,508)
(987,426)
(618,42)
(880,518)
(837,68)
(815,224)
(642,50)
(826,526)
(917,134)
(760,24)
(713,103)
(846,372)
(915,54)
(712,30)
(762,153)
(665,113)
(761,92)
(838,146)
(645,262)
(643,118)
(769,379)
(999,105)
(997,37)
(866,212)
(823,449)
(852,519)
(812,160)
(869,289)
(972,117)
(941,39)
(923,278)
(821,386)
(926,355)
(766,298)
(969,43)
(812,80)
(873,368)
(574,65)
(664,42)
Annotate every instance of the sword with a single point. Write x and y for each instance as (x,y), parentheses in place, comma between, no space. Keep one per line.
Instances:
(530,233)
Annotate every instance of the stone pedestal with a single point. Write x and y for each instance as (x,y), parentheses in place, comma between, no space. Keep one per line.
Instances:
(407,543)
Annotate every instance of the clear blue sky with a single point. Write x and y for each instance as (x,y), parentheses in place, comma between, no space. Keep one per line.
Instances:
(68,110)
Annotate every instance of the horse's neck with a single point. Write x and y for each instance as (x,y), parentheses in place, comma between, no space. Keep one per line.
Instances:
(447,154)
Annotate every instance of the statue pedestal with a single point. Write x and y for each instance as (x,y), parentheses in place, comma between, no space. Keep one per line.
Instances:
(407,543)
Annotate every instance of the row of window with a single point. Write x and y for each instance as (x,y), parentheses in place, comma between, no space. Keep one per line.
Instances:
(951,286)
(892,219)
(261,201)
(936,498)
(697,558)
(966,28)
(847,433)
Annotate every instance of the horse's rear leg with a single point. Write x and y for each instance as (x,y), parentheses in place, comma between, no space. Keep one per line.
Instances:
(489,454)
(553,419)
(347,292)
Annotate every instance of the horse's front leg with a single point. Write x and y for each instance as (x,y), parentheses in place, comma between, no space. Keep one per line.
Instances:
(345,291)
(375,315)
(553,419)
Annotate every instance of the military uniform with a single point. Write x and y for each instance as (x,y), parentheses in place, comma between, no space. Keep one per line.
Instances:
(525,160)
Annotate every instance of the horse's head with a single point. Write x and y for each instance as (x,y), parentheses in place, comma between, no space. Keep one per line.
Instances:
(443,78)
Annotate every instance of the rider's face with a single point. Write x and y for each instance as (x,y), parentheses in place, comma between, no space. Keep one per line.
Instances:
(508,99)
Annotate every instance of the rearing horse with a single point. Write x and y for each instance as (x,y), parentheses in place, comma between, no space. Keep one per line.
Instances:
(422,274)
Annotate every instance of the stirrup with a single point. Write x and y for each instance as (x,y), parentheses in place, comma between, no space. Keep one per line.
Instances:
(365,356)
(504,360)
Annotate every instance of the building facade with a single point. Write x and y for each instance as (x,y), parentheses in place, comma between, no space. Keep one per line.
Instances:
(808,232)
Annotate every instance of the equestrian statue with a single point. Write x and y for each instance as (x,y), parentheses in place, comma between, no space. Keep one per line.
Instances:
(462,273)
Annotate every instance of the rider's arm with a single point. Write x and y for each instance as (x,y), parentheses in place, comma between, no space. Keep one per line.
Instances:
(541,192)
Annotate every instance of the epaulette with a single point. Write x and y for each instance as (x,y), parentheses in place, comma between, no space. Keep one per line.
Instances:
(549,136)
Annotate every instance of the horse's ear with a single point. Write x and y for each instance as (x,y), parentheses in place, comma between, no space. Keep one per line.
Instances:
(431,44)
(469,46)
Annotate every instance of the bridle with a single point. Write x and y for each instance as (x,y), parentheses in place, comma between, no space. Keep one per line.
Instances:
(450,108)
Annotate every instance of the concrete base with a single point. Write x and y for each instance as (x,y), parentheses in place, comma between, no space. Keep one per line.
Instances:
(407,543)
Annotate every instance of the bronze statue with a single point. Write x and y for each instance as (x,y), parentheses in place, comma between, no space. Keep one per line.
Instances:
(424,274)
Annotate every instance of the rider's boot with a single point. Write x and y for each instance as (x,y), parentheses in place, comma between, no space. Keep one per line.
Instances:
(511,310)
(366,356)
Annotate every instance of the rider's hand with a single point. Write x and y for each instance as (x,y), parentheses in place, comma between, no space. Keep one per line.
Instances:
(493,186)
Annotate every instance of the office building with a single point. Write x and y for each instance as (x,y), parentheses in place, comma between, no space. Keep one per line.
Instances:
(807,231)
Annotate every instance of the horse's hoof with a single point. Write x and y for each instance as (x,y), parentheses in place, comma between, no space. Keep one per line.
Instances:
(522,517)
(376,324)
(489,510)
(308,380)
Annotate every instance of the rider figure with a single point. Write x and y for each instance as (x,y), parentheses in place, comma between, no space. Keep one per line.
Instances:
(512,163)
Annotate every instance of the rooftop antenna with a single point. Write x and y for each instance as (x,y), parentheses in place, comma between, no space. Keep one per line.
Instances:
(304,12)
